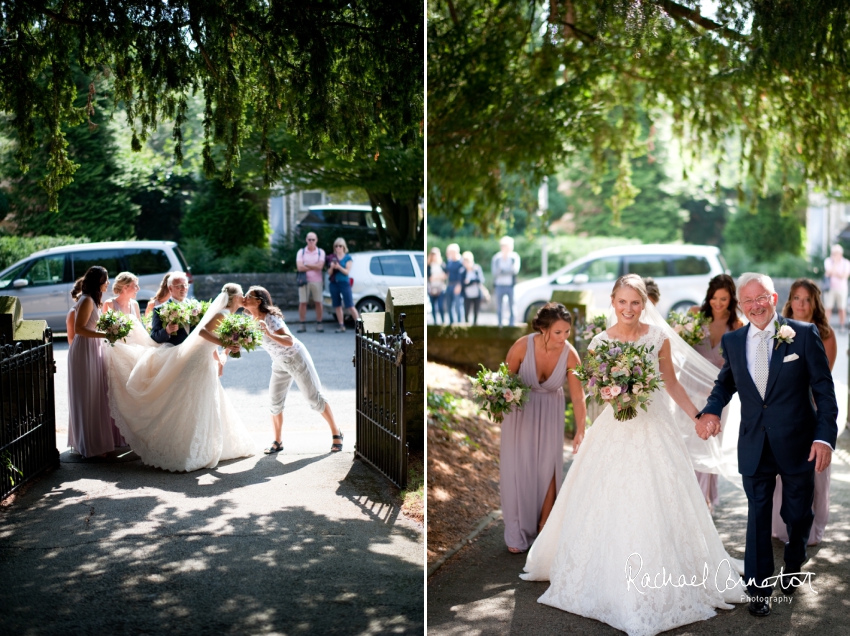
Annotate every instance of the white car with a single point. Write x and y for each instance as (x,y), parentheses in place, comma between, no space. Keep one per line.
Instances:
(373,273)
(681,271)
(43,280)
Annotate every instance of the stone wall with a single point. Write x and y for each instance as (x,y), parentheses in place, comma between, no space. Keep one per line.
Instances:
(465,346)
(281,286)
(410,301)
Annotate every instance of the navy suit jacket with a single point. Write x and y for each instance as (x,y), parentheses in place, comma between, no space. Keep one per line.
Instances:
(159,334)
(786,415)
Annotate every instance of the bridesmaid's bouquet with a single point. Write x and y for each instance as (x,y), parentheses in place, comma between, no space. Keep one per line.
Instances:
(621,374)
(498,392)
(147,322)
(174,314)
(197,309)
(116,326)
(236,329)
(692,328)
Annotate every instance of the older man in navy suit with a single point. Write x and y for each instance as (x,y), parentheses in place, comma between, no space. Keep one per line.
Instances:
(780,371)
(178,285)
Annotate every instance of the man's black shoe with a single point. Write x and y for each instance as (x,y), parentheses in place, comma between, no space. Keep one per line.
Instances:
(790,583)
(759,606)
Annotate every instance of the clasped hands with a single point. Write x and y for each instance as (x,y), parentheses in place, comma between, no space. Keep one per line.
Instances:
(708,425)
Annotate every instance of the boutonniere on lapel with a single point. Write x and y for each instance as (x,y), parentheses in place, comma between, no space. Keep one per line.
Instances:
(784,334)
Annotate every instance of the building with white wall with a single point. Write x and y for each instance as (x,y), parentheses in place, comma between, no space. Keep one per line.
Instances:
(826,221)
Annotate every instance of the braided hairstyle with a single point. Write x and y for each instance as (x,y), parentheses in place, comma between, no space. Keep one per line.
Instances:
(549,314)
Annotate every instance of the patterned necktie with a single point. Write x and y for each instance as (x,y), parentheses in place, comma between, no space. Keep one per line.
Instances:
(762,366)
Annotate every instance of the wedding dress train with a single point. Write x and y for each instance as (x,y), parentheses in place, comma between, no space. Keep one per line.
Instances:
(169,404)
(629,507)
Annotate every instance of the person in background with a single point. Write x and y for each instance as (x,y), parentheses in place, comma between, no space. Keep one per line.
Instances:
(311,259)
(505,267)
(125,288)
(473,287)
(720,307)
(804,304)
(837,270)
(72,313)
(437,278)
(340,284)
(652,290)
(161,297)
(454,293)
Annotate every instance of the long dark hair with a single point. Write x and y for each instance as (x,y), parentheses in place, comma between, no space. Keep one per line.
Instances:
(266,305)
(819,318)
(549,314)
(722,281)
(163,291)
(93,279)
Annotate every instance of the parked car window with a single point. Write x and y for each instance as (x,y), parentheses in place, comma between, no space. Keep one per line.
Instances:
(649,265)
(110,259)
(602,269)
(48,270)
(143,262)
(690,266)
(420,260)
(13,275)
(393,265)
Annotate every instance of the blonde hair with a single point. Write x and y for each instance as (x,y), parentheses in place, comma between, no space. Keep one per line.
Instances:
(469,255)
(341,240)
(231,289)
(632,281)
(123,280)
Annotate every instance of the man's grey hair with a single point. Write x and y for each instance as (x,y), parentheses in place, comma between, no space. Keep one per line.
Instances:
(176,276)
(762,279)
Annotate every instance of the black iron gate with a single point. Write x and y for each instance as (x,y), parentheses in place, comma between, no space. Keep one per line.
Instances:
(27,412)
(381,381)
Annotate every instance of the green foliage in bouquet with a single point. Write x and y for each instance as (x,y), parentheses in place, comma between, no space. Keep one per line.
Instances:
(174,314)
(692,328)
(236,329)
(499,392)
(115,325)
(197,310)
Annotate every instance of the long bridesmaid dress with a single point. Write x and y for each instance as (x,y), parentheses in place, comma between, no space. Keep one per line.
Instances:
(708,481)
(91,429)
(532,450)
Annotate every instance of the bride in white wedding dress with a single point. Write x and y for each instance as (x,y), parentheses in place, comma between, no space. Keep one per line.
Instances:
(168,401)
(631,507)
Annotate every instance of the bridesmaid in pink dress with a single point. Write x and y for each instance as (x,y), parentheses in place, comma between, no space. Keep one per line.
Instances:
(805,304)
(532,441)
(721,308)
(91,430)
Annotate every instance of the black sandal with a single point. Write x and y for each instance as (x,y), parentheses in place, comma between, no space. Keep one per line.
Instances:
(276,447)
(336,447)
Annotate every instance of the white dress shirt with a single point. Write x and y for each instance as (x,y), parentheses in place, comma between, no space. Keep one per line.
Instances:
(753,340)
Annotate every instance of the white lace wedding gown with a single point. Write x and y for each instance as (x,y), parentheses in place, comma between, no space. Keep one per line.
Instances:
(631,491)
(169,404)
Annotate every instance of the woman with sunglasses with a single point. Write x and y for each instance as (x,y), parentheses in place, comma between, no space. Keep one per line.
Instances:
(290,361)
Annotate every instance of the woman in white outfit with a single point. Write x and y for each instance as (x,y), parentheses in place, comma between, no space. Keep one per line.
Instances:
(290,361)
(167,400)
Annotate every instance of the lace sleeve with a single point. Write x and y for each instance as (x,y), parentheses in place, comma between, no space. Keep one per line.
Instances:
(596,340)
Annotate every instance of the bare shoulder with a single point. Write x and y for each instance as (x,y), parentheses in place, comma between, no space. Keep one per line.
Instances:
(520,347)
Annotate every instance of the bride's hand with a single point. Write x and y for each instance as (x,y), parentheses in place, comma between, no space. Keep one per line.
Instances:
(577,440)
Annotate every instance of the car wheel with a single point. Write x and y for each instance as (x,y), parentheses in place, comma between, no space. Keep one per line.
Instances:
(683,306)
(369,306)
(532,310)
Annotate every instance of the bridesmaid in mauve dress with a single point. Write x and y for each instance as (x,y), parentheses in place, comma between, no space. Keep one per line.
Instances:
(721,308)
(805,304)
(532,447)
(91,430)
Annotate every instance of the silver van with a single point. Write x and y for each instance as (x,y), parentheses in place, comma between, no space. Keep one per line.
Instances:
(43,280)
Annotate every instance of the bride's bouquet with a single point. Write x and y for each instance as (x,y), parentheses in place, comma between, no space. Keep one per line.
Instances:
(692,328)
(174,314)
(197,309)
(621,374)
(237,329)
(498,392)
(115,324)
